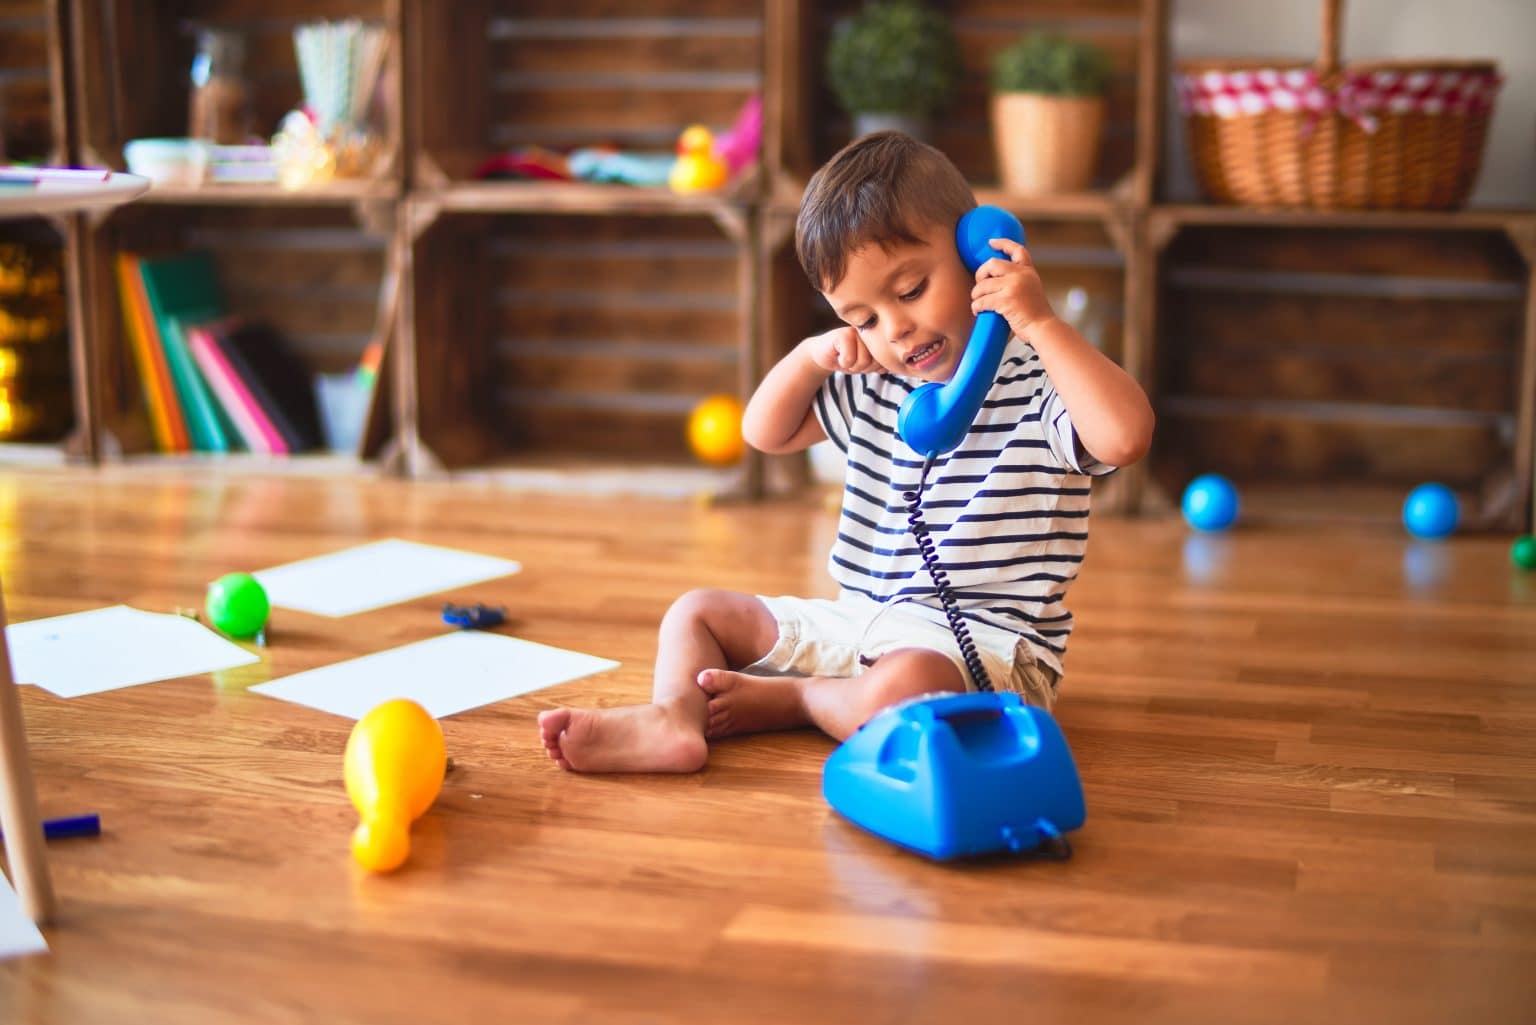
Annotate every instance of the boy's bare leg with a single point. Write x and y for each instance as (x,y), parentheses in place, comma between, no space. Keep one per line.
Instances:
(704,629)
(739,703)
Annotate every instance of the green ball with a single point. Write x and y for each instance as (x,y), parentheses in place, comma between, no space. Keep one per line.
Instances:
(1523,552)
(237,605)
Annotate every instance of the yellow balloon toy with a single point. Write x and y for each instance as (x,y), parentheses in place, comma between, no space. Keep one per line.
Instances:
(393,766)
(714,430)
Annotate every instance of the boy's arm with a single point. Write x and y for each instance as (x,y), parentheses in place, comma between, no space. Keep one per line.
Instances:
(781,415)
(1109,410)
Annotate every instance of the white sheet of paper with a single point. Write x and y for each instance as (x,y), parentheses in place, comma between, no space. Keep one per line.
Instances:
(104,649)
(374,575)
(444,675)
(19,935)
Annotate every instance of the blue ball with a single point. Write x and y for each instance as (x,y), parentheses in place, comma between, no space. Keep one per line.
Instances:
(1431,511)
(1210,502)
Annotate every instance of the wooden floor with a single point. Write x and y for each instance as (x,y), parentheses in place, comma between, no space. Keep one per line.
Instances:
(1309,757)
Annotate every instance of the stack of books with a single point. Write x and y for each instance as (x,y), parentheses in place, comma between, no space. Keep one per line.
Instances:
(212,382)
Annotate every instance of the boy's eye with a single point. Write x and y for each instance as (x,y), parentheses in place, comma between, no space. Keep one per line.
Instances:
(866,325)
(915,291)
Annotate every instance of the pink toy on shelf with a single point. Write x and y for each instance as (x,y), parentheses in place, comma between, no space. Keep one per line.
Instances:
(739,145)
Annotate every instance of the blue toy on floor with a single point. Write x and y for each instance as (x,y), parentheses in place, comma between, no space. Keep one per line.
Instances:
(959,774)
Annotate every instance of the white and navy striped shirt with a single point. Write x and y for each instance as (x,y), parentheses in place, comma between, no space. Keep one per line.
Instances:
(1007,509)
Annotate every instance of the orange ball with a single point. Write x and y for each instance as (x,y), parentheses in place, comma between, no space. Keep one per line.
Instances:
(714,430)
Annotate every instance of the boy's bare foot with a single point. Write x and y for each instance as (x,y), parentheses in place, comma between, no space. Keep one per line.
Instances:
(739,703)
(636,738)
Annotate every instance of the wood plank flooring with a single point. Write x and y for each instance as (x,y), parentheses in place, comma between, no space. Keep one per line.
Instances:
(1308,758)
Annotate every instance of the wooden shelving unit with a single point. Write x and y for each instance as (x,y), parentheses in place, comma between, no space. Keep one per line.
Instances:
(34,125)
(541,329)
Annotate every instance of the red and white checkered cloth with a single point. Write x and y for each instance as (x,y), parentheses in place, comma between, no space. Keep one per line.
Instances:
(1358,95)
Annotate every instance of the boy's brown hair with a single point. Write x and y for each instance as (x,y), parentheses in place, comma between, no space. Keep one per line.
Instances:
(883,189)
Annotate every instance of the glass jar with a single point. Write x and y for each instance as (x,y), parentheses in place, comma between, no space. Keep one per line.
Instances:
(220,109)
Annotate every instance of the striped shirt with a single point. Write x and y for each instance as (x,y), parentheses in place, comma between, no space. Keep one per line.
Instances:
(1007,509)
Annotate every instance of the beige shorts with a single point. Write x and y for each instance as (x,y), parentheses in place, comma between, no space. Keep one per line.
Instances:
(845,635)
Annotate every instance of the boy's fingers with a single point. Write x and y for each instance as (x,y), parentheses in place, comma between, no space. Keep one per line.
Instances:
(993,268)
(1016,252)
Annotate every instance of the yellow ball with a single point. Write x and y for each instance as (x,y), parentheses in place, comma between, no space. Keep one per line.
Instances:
(714,430)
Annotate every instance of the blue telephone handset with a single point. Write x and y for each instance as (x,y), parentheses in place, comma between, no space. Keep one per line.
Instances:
(935,417)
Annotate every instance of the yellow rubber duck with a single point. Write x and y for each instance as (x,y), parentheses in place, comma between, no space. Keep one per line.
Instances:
(697,168)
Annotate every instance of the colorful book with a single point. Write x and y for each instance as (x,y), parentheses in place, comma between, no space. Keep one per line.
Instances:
(278,380)
(185,288)
(165,416)
(249,419)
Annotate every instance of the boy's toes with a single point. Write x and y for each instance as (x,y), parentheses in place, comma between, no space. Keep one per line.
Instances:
(715,682)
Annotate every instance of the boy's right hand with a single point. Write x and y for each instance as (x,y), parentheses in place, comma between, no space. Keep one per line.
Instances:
(841,349)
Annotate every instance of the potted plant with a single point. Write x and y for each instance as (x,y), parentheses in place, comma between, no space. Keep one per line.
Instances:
(1048,112)
(893,65)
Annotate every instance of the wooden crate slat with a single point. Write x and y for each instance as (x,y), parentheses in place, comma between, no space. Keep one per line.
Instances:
(1425,380)
(1209,320)
(715,328)
(581,374)
(255,269)
(266,11)
(645,437)
(607,56)
(1449,255)
(23,47)
(1255,447)
(564,114)
(651,9)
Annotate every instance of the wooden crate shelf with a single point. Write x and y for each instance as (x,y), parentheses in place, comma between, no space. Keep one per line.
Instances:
(132,60)
(1373,351)
(315,273)
(534,335)
(495,76)
(437,267)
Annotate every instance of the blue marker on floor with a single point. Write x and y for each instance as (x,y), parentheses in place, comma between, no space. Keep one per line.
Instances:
(73,825)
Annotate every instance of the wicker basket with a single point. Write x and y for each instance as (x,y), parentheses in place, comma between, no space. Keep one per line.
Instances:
(1402,135)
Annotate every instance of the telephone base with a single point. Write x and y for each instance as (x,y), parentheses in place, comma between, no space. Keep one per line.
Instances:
(959,775)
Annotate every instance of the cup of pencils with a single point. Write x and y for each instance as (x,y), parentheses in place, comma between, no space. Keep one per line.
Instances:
(330,136)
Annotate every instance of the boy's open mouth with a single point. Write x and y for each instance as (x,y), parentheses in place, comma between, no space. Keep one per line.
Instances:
(926,354)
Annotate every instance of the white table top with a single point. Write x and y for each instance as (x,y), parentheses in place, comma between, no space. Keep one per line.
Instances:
(69,197)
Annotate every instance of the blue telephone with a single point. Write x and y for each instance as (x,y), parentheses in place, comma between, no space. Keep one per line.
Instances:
(956,775)
(935,417)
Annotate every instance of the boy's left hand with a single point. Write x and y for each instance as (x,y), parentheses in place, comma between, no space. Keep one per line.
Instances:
(1011,287)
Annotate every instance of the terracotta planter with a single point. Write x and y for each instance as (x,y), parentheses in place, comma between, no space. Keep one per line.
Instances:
(1046,144)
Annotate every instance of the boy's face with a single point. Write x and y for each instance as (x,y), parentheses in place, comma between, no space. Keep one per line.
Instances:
(911,304)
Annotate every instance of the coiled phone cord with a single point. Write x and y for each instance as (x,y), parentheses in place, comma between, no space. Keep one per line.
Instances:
(930,555)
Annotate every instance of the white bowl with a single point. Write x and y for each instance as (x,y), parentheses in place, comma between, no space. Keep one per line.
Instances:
(169,161)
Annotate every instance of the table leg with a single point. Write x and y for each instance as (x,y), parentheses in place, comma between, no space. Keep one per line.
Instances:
(18,799)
